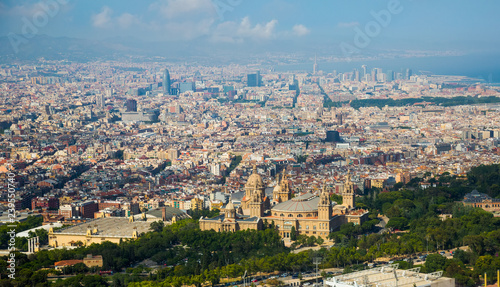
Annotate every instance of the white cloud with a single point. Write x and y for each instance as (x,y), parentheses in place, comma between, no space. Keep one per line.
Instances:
(232,32)
(258,31)
(103,18)
(172,9)
(126,20)
(188,30)
(300,30)
(347,24)
(52,8)
(183,19)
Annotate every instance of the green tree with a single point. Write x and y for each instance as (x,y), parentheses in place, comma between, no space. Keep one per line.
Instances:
(293,234)
(157,226)
(434,262)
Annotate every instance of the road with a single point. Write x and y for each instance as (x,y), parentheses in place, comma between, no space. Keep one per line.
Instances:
(383,222)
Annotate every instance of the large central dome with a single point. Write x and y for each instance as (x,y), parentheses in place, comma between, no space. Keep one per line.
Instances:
(255,180)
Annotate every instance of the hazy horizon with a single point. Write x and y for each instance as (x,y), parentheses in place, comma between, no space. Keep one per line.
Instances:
(453,37)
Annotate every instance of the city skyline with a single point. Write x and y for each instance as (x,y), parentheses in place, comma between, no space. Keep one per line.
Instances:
(456,34)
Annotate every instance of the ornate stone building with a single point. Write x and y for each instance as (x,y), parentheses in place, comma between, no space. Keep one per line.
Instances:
(482,200)
(307,214)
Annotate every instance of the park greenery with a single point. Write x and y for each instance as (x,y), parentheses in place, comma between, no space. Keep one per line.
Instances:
(440,101)
(189,256)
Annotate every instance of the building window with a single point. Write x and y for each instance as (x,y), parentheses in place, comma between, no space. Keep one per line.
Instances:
(290,215)
(314,227)
(282,215)
(307,226)
(299,215)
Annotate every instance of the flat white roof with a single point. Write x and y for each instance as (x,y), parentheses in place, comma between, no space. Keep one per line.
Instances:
(46,227)
(386,276)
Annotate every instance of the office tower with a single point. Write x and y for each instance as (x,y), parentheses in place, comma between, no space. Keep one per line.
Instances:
(374,75)
(186,86)
(131,105)
(356,75)
(340,120)
(99,101)
(254,80)
(390,76)
(381,77)
(408,74)
(315,66)
(364,71)
(166,82)
(48,110)
(332,136)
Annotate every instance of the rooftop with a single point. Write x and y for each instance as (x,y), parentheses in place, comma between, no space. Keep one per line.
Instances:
(390,275)
(108,227)
(305,202)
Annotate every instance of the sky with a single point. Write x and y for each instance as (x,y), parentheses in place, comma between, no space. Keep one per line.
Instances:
(447,24)
(336,28)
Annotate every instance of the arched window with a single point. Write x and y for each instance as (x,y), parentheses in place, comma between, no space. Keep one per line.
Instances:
(290,215)
(299,215)
(308,215)
(282,215)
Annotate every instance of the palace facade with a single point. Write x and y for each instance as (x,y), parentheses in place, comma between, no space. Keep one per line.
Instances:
(308,213)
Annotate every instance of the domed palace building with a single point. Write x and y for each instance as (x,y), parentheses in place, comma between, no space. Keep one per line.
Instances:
(307,214)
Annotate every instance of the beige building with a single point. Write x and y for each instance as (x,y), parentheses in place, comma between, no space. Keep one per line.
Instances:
(307,214)
(111,229)
(196,203)
(92,261)
(481,200)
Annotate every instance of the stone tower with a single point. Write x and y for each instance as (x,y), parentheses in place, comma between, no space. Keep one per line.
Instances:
(282,192)
(324,205)
(256,205)
(348,194)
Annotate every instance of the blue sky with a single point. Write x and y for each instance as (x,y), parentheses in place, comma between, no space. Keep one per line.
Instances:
(447,25)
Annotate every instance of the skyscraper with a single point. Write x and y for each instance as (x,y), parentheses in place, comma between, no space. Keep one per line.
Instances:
(166,82)
(131,105)
(254,80)
(315,66)
(364,71)
(99,100)
(408,74)
(356,75)
(390,76)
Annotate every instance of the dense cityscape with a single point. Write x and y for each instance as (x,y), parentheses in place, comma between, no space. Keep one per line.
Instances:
(105,149)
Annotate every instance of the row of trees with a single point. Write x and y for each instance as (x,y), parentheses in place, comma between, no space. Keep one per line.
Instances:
(445,102)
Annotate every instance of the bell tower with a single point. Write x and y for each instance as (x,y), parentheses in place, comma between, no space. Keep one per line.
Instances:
(256,205)
(282,192)
(348,194)
(324,205)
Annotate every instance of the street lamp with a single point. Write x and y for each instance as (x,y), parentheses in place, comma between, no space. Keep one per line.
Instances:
(317,261)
